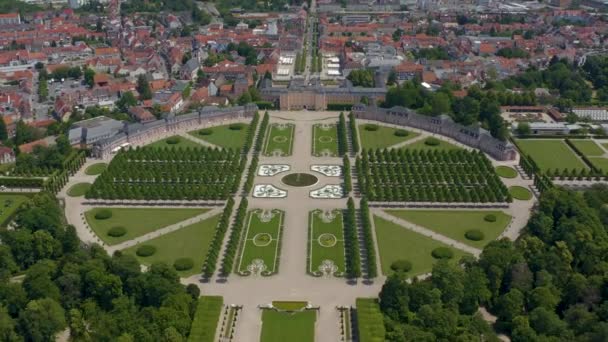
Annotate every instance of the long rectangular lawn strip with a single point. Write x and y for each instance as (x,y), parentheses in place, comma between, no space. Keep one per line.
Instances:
(588,147)
(279,139)
(399,243)
(261,242)
(370,320)
(288,327)
(383,136)
(206,318)
(136,221)
(600,163)
(224,136)
(326,241)
(551,154)
(455,223)
(325,140)
(188,242)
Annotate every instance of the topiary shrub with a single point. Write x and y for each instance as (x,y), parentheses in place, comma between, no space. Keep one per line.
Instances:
(432,142)
(117,231)
(103,214)
(401,133)
(183,264)
(236,126)
(474,235)
(205,131)
(401,266)
(173,140)
(490,218)
(442,253)
(371,127)
(145,250)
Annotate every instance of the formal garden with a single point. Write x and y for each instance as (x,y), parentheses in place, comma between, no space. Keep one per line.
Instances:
(227,136)
(378,136)
(403,250)
(326,243)
(325,140)
(289,326)
(116,225)
(279,139)
(475,228)
(260,247)
(429,176)
(184,249)
(170,174)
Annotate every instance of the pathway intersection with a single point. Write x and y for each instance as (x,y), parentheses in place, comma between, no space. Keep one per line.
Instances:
(292,282)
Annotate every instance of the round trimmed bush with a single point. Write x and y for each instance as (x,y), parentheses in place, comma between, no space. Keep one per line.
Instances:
(183,264)
(117,231)
(103,214)
(371,127)
(490,218)
(205,131)
(145,250)
(401,266)
(474,235)
(173,140)
(236,126)
(442,253)
(401,133)
(432,142)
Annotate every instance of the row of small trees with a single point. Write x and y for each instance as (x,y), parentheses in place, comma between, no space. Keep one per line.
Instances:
(348,182)
(354,137)
(368,239)
(176,154)
(216,242)
(259,142)
(235,236)
(351,241)
(251,132)
(251,174)
(436,193)
(342,138)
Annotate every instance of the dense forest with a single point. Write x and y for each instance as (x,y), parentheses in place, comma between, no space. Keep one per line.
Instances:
(67,285)
(549,285)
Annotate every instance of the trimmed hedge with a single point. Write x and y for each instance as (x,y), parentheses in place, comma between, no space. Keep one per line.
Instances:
(173,140)
(474,235)
(117,231)
(145,251)
(371,127)
(205,131)
(183,264)
(490,218)
(401,133)
(401,266)
(339,106)
(103,214)
(432,142)
(236,127)
(442,253)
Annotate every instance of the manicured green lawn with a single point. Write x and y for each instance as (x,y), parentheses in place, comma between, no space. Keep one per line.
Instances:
(370,319)
(520,193)
(600,163)
(506,172)
(181,142)
(188,242)
(420,145)
(605,145)
(205,320)
(399,243)
(288,327)
(325,140)
(96,169)
(551,154)
(326,241)
(383,137)
(455,223)
(261,240)
(78,189)
(9,203)
(289,306)
(279,139)
(137,221)
(588,147)
(223,136)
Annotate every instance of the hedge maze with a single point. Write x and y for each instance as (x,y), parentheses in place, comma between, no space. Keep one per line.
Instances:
(175,174)
(429,176)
